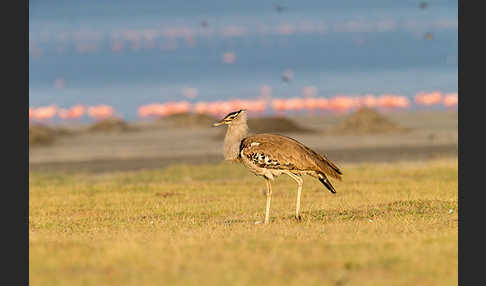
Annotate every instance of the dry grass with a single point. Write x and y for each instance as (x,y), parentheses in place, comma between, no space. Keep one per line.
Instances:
(389,224)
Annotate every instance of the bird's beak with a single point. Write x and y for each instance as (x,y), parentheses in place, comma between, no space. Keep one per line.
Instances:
(219,123)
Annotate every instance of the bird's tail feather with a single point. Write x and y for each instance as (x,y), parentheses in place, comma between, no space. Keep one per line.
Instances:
(326,182)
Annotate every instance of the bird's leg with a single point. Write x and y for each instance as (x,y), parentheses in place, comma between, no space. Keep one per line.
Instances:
(299,192)
(269,198)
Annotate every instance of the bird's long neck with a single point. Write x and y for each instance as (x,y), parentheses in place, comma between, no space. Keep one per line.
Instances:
(232,140)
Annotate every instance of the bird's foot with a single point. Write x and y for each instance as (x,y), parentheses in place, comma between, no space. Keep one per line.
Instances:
(298,217)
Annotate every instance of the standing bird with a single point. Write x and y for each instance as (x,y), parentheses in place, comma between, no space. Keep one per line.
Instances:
(270,155)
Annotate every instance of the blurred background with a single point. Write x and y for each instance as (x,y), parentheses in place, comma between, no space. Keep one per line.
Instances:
(127,183)
(111,81)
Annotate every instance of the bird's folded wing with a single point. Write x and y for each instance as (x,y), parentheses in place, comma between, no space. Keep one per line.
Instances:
(281,152)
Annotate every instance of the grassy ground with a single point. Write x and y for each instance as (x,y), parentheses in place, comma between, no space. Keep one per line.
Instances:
(389,224)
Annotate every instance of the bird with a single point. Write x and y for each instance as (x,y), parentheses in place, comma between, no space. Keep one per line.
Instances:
(288,76)
(271,155)
(279,7)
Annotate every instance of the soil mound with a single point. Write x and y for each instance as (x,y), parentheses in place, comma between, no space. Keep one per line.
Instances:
(275,125)
(367,121)
(111,125)
(40,134)
(190,120)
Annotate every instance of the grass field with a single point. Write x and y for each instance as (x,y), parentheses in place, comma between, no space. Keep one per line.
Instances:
(388,224)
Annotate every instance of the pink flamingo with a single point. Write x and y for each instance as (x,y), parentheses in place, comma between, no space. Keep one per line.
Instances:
(431,98)
(237,104)
(100,112)
(322,104)
(201,107)
(45,112)
(229,57)
(369,100)
(180,107)
(77,111)
(63,113)
(278,105)
(310,104)
(159,110)
(294,103)
(255,106)
(341,103)
(401,102)
(450,99)
(224,107)
(171,108)
(214,108)
(390,101)
(71,113)
(146,110)
(260,106)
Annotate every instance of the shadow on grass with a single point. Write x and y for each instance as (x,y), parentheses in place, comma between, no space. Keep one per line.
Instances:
(397,208)
(166,194)
(417,208)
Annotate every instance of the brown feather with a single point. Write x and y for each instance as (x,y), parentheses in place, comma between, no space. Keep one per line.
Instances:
(281,152)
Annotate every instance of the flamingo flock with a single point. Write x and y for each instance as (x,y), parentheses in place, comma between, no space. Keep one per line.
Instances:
(46,113)
(448,99)
(168,37)
(309,102)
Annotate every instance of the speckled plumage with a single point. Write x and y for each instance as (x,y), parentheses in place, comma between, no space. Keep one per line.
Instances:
(277,152)
(270,155)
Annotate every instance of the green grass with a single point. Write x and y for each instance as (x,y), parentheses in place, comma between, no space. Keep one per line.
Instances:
(388,224)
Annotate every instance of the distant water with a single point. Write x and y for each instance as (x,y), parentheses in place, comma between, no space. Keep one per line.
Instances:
(127,53)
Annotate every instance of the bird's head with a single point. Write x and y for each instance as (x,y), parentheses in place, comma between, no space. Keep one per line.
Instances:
(233,118)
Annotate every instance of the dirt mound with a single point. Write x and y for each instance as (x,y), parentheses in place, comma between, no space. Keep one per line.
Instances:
(367,121)
(45,135)
(41,135)
(188,120)
(111,125)
(276,125)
